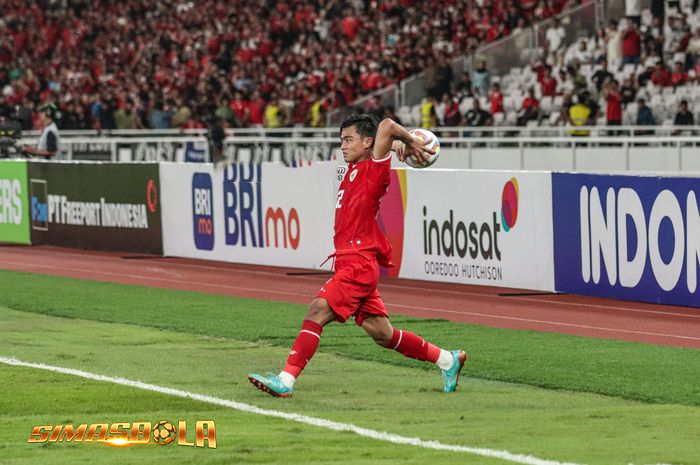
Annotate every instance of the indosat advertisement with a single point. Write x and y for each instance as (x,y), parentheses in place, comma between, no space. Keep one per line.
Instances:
(478,227)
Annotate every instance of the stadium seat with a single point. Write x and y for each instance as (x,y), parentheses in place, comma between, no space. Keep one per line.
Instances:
(499,119)
(546,104)
(415,115)
(628,70)
(466,105)
(557,102)
(509,104)
(404,113)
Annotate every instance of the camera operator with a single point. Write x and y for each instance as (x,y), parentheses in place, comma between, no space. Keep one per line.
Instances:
(49,144)
(10,131)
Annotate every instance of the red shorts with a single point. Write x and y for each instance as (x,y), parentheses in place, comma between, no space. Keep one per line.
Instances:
(352,291)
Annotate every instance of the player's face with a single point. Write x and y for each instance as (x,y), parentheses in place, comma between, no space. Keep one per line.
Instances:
(354,146)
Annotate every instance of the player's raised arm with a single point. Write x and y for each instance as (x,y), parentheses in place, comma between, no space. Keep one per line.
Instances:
(390,131)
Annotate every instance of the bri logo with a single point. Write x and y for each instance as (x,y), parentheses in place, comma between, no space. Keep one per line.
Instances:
(245,223)
(203,211)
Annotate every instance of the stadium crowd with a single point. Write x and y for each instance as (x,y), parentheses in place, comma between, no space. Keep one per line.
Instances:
(639,70)
(174,64)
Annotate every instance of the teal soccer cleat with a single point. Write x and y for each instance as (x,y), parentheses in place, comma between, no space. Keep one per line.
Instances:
(451,376)
(271,384)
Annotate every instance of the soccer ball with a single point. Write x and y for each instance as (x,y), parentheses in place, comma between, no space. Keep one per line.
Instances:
(164,432)
(434,144)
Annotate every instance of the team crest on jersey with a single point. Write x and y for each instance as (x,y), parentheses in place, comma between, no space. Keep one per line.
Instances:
(353,173)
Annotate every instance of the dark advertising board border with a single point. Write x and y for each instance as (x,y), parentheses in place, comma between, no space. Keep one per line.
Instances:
(99,206)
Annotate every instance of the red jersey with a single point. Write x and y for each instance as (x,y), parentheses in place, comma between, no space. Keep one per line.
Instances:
(359,195)
(614,107)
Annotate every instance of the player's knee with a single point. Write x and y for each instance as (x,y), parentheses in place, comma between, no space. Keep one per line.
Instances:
(318,311)
(382,340)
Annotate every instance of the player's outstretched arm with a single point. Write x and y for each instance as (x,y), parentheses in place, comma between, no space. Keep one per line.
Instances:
(390,131)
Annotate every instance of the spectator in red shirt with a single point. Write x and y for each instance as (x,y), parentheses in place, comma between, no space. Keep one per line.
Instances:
(496,99)
(631,44)
(372,80)
(660,76)
(679,77)
(613,98)
(530,109)
(452,117)
(548,85)
(350,25)
(240,108)
(257,109)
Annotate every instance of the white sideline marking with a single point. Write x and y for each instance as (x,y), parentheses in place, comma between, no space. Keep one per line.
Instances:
(320,422)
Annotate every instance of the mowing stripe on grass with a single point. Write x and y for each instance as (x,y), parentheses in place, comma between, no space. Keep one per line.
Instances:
(546,322)
(319,422)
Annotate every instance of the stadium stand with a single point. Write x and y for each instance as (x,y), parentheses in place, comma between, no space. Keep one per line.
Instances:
(139,64)
(625,67)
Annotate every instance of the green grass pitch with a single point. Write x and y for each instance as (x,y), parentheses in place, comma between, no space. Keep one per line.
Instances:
(555,397)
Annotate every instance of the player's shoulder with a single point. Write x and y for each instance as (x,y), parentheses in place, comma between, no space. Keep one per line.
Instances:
(381,162)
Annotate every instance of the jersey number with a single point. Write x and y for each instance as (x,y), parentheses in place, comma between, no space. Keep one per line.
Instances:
(340,197)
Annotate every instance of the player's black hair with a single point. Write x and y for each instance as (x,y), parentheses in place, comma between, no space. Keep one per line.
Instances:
(366,124)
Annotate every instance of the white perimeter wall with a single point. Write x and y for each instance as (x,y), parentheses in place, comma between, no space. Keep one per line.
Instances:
(589,159)
(468,197)
(309,191)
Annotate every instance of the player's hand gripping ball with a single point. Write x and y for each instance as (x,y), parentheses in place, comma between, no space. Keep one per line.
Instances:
(433,144)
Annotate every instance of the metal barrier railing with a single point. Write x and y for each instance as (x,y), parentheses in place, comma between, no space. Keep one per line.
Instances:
(292,146)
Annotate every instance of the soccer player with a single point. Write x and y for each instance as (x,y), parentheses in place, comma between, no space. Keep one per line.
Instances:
(360,248)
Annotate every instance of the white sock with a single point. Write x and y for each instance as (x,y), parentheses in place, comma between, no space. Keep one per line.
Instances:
(287,379)
(445,360)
